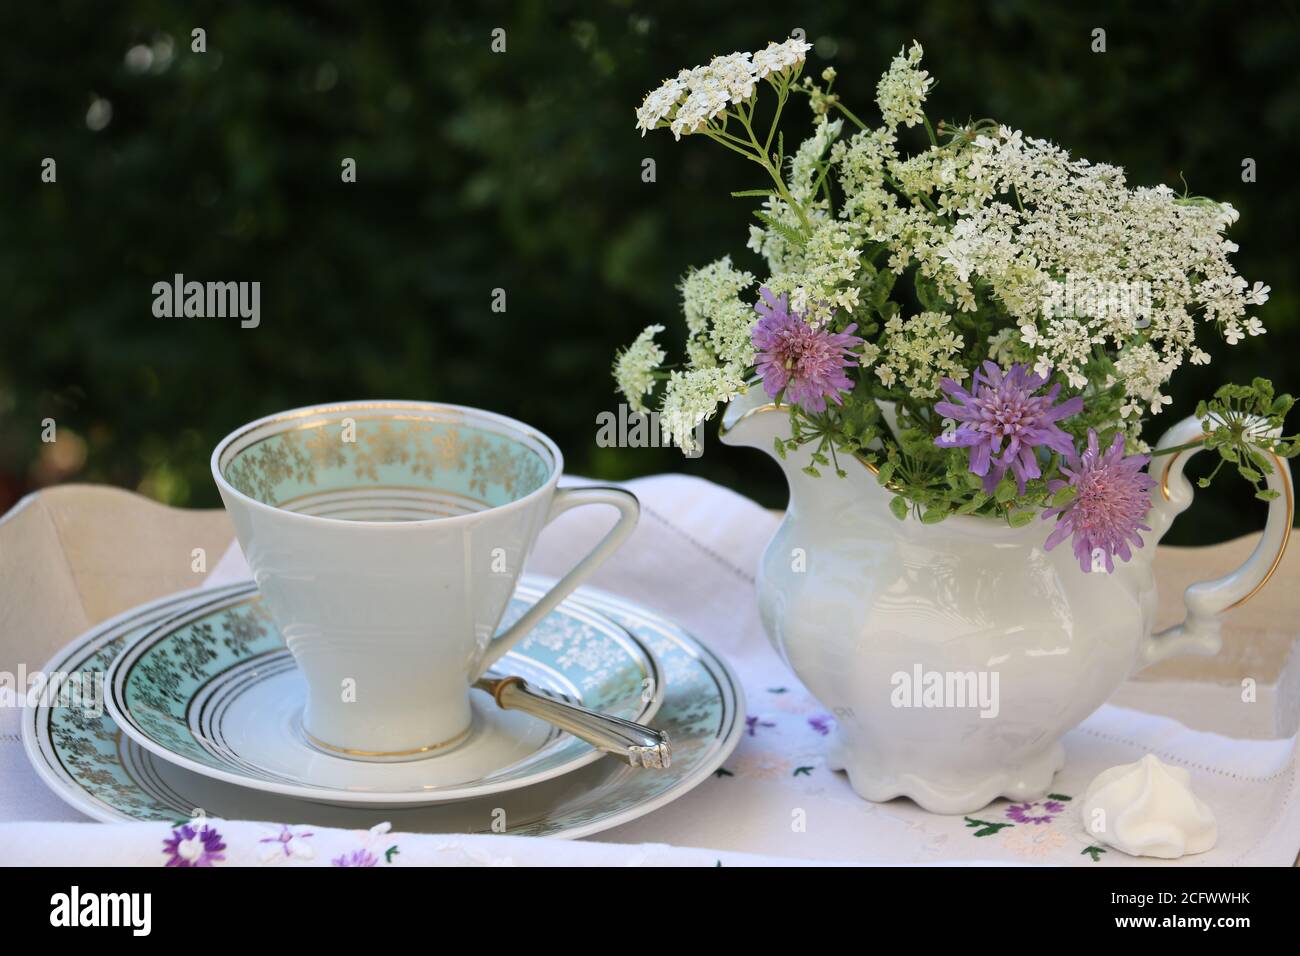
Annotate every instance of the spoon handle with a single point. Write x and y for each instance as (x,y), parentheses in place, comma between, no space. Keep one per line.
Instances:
(639,745)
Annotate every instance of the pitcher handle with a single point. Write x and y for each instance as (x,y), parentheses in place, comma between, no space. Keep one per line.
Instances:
(565,499)
(1207,601)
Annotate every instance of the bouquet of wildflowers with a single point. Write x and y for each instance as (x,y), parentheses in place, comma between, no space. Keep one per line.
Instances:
(986,322)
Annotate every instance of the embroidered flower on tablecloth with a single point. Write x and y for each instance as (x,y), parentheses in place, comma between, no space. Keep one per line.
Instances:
(821,723)
(356,858)
(286,844)
(763,766)
(364,855)
(191,845)
(1033,843)
(1037,812)
(474,855)
(753,722)
(1041,828)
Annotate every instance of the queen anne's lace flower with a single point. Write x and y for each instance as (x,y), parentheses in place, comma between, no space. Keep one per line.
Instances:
(717,321)
(635,367)
(902,90)
(1031,220)
(818,276)
(692,397)
(805,172)
(917,354)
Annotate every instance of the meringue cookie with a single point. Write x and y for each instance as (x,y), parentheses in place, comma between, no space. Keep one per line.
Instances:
(1148,809)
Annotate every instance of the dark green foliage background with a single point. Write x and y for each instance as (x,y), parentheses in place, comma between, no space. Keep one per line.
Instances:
(519,171)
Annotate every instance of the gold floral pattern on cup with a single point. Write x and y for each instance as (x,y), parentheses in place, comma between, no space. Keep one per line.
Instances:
(422,448)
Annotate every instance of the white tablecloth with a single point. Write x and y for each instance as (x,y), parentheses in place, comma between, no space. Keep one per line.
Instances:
(692,559)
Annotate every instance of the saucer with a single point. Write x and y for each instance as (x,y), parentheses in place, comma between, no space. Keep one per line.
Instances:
(84,758)
(212,688)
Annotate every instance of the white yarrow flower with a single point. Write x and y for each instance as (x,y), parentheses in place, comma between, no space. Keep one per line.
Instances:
(690,100)
(659,103)
(778,57)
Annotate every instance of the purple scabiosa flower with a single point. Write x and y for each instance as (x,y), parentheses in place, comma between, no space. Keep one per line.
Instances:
(1002,407)
(194,846)
(1112,495)
(806,361)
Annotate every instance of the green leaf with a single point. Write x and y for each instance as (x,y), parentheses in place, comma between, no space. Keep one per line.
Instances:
(875,292)
(1005,492)
(792,236)
(985,828)
(1261,461)
(743,193)
(898,505)
(1062,497)
(1268,494)
(933,515)
(1020,517)
(927,292)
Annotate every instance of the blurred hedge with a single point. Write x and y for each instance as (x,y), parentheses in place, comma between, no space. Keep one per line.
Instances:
(519,170)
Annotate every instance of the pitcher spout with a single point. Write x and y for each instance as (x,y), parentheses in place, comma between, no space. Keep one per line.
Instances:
(754,420)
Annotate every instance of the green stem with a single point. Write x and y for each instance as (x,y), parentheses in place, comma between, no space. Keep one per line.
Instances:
(782,94)
(1174,449)
(732,137)
(849,113)
(782,191)
(735,149)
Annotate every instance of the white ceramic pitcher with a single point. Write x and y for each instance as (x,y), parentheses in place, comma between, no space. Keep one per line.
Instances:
(956,655)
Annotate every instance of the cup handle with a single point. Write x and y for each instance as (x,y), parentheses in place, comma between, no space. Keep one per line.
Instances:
(564,500)
(1207,601)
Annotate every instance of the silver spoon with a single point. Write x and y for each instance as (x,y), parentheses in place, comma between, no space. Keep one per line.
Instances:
(639,745)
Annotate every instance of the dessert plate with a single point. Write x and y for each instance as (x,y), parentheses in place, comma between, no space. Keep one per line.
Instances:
(82,755)
(213,689)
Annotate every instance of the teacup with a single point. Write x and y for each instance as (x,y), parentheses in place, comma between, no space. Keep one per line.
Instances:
(386,538)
